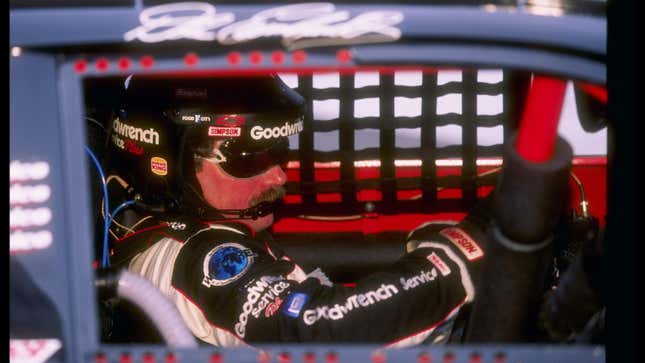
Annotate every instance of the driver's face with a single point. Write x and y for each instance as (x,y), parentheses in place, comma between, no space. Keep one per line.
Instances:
(223,191)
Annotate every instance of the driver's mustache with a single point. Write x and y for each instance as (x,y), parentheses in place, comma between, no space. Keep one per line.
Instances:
(269,195)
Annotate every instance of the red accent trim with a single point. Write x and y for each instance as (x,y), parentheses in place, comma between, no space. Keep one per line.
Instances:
(248,226)
(595,91)
(141,231)
(266,245)
(458,306)
(539,126)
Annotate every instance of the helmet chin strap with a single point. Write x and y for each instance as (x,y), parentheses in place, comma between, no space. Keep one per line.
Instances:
(260,210)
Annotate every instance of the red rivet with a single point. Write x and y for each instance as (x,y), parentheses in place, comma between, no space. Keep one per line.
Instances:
(171,358)
(102,64)
(124,63)
(125,358)
(449,358)
(100,358)
(146,62)
(80,66)
(310,357)
(344,56)
(191,59)
(500,357)
(284,357)
(255,57)
(424,358)
(299,56)
(475,358)
(234,58)
(264,357)
(148,358)
(277,57)
(216,358)
(378,357)
(331,357)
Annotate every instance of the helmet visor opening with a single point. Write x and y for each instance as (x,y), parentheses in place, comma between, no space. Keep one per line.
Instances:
(245,160)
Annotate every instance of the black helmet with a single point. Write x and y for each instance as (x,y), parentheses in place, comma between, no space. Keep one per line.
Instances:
(164,121)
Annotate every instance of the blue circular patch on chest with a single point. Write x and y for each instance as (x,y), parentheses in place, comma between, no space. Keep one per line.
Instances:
(227,262)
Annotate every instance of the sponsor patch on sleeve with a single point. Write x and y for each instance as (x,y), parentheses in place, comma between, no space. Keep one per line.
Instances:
(225,264)
(464,242)
(439,264)
(295,303)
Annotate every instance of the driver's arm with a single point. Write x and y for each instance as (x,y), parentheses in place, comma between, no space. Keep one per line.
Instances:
(400,306)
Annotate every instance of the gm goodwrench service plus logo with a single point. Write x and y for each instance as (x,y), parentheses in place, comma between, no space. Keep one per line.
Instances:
(299,25)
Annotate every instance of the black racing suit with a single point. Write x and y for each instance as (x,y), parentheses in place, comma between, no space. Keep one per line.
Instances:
(233,287)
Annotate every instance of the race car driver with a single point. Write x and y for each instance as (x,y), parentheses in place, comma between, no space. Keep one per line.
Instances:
(202,160)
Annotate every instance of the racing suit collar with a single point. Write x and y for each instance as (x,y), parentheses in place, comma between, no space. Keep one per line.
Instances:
(236,226)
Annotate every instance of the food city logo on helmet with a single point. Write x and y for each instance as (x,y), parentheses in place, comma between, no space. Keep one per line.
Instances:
(159,165)
(227,126)
(196,118)
(149,136)
(225,264)
(288,129)
(299,25)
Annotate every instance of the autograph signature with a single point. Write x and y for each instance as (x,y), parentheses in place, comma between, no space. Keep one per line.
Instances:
(300,25)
